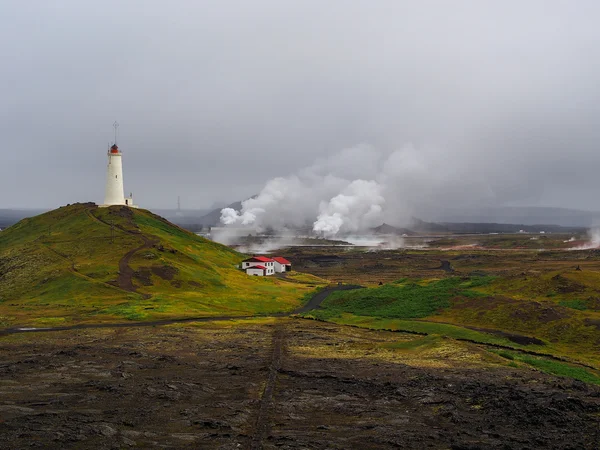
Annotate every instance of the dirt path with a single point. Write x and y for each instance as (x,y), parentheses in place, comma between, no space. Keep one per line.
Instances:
(317,299)
(125,279)
(263,422)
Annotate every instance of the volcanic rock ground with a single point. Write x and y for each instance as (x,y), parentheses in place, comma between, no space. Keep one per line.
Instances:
(277,383)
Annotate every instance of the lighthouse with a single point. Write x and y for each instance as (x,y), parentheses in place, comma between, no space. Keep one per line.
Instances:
(114,193)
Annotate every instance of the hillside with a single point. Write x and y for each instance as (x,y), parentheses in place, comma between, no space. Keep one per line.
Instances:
(84,263)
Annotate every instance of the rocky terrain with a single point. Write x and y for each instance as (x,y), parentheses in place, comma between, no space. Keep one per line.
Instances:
(278,383)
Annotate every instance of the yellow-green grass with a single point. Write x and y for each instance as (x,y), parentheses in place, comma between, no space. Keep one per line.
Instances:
(435,331)
(424,327)
(569,335)
(562,284)
(61,267)
(306,278)
(559,307)
(465,308)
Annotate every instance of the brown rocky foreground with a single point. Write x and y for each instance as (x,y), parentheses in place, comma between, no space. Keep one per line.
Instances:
(278,383)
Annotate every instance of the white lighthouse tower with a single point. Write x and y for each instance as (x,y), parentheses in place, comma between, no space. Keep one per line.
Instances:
(114,193)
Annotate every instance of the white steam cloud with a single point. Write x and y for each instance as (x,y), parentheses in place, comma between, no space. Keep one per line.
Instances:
(357,189)
(358,207)
(593,240)
(594,235)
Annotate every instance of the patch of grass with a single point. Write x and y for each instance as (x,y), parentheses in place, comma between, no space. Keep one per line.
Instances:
(417,343)
(505,354)
(552,367)
(474,282)
(407,301)
(580,305)
(401,281)
(306,278)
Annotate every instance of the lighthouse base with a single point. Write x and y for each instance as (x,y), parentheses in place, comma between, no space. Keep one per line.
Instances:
(128,202)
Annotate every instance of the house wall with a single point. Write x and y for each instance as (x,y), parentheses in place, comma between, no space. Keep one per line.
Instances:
(259,272)
(279,268)
(245,265)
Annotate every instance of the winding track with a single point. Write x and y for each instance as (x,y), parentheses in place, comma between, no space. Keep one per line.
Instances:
(125,280)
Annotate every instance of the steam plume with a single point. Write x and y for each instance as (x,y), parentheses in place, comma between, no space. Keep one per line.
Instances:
(357,208)
(351,191)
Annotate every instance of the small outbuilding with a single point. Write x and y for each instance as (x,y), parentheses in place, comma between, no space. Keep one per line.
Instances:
(281,264)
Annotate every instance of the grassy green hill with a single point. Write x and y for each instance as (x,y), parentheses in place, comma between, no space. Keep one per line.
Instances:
(81,263)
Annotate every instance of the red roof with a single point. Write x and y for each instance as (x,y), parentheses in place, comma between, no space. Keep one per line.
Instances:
(256,267)
(259,259)
(281,260)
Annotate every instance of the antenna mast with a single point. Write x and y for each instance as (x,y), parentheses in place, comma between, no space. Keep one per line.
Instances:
(115,126)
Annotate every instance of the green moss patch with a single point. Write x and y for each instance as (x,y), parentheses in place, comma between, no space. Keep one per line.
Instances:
(402,300)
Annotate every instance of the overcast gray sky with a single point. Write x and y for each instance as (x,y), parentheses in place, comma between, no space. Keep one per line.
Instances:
(215,98)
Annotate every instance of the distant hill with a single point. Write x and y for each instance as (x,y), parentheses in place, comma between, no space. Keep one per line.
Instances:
(81,262)
(9,217)
(418,226)
(421,226)
(526,215)
(213,218)
(390,229)
(181,216)
(467,227)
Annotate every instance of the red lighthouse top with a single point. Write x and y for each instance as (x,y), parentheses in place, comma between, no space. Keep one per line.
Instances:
(114,149)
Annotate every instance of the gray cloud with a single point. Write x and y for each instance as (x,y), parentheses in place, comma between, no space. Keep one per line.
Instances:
(216,98)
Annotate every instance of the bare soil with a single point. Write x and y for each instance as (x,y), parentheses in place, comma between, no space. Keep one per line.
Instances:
(276,383)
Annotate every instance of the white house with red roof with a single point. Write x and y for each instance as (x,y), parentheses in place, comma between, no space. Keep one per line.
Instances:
(264,266)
